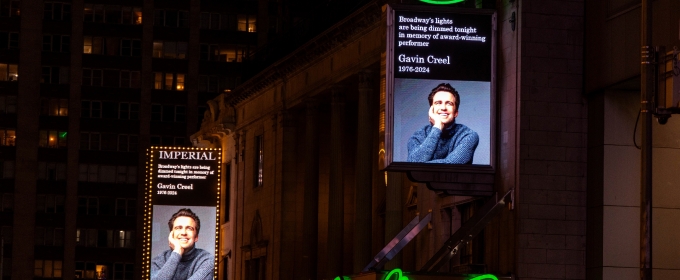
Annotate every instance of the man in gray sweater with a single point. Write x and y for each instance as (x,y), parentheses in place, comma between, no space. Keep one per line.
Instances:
(183,261)
(443,140)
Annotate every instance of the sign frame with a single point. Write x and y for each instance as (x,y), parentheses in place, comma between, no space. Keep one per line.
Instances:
(392,164)
(201,196)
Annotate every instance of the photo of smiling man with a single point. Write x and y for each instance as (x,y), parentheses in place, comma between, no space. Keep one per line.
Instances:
(183,260)
(443,140)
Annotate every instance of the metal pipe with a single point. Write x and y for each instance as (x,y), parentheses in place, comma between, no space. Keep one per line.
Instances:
(647,93)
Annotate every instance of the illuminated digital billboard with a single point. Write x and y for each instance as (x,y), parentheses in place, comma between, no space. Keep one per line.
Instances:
(181,213)
(440,85)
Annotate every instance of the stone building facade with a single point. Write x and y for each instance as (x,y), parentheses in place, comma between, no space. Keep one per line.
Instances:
(322,206)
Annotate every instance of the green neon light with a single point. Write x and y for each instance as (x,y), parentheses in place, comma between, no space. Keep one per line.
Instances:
(441,2)
(62,135)
(399,275)
(485,277)
(396,272)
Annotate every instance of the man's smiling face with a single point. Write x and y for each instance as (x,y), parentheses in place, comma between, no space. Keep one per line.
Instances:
(444,105)
(184,230)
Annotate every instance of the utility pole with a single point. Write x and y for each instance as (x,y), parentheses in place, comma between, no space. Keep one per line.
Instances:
(647,106)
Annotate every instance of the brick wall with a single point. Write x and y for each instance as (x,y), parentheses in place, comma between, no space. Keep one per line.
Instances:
(552,141)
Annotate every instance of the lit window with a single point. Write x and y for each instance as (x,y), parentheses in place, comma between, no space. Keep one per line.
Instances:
(247,23)
(180,82)
(259,160)
(9,72)
(169,49)
(131,15)
(93,45)
(53,139)
(169,81)
(48,268)
(158,81)
(157,49)
(54,107)
(7,137)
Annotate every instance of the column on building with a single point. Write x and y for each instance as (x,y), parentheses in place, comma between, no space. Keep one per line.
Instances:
(336,191)
(73,156)
(310,217)
(363,191)
(394,207)
(27,135)
(289,198)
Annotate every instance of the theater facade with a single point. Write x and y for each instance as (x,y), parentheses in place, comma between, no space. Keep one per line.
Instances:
(306,193)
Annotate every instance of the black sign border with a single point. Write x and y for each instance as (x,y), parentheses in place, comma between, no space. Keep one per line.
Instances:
(389,76)
(148,205)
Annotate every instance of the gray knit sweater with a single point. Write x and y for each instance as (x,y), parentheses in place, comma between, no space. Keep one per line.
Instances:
(455,145)
(197,264)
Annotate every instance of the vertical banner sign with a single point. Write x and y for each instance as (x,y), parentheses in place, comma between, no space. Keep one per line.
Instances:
(181,213)
(440,85)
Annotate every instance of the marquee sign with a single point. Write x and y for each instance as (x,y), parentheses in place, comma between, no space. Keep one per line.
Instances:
(181,210)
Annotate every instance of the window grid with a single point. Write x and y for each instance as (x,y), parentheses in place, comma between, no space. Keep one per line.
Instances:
(114,14)
(53,139)
(54,107)
(57,11)
(9,40)
(7,137)
(169,81)
(8,104)
(48,268)
(9,8)
(56,43)
(54,75)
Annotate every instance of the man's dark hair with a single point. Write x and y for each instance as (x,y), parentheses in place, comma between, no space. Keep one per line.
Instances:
(185,212)
(444,87)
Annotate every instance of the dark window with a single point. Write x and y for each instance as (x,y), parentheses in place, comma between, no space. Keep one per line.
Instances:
(9,8)
(57,11)
(111,78)
(112,14)
(123,271)
(90,141)
(56,43)
(126,207)
(54,75)
(131,47)
(91,109)
(6,202)
(127,143)
(255,268)
(171,18)
(50,203)
(88,205)
(128,111)
(109,110)
(9,40)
